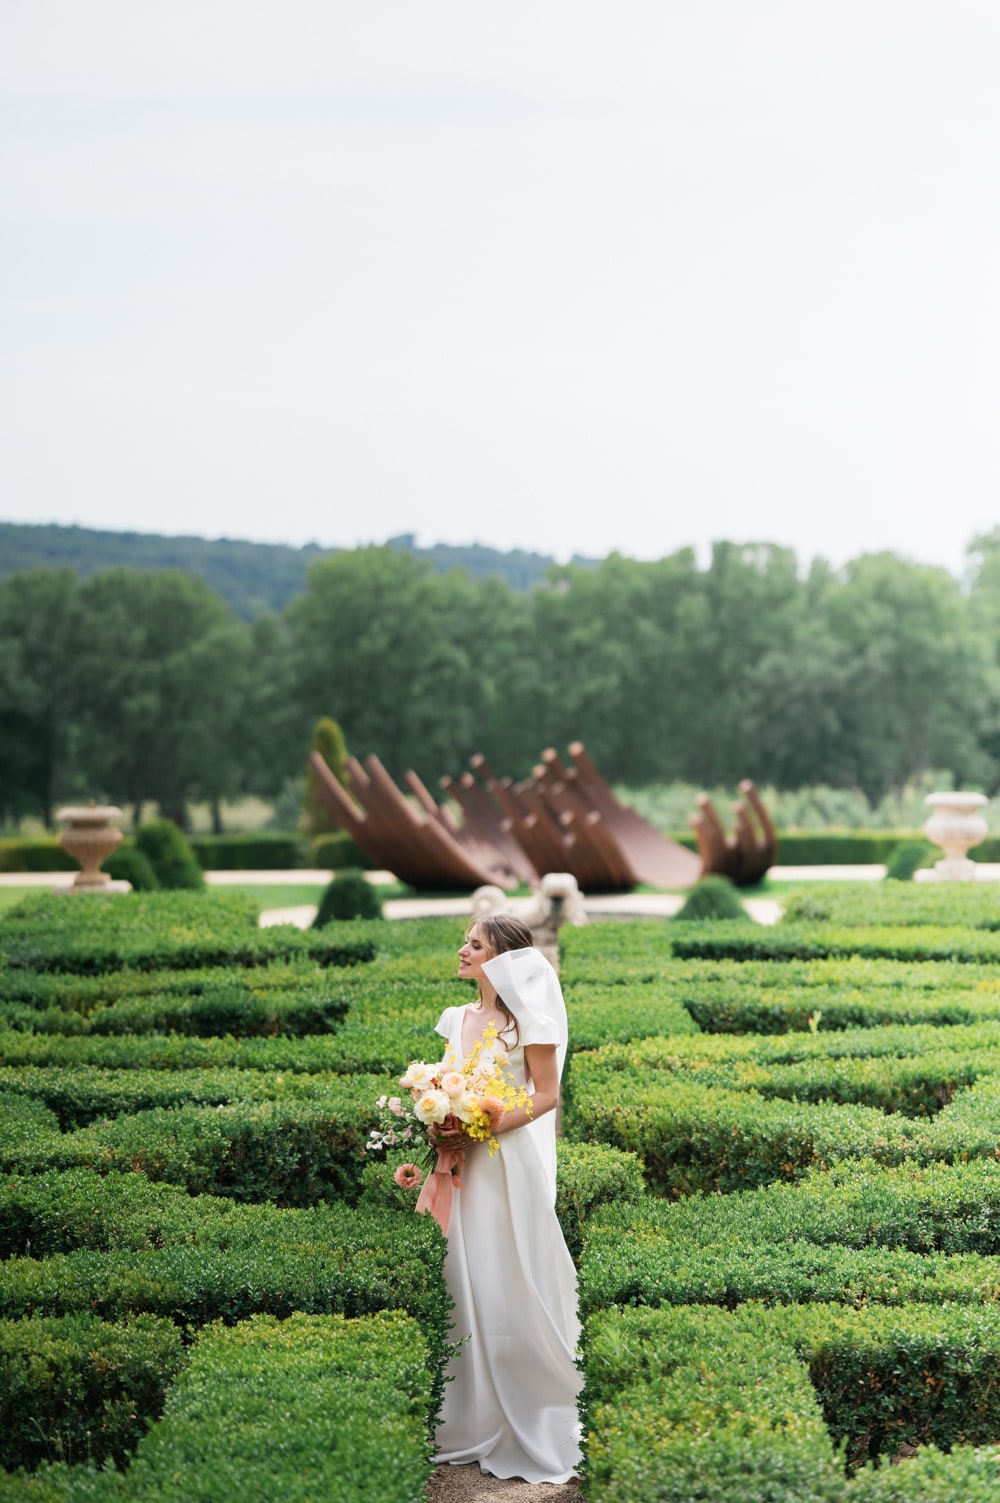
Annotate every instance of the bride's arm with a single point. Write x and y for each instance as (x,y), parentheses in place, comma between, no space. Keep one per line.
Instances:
(541,1065)
(540,1060)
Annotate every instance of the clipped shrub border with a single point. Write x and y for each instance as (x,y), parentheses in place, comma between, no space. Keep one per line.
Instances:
(78,1388)
(757,1399)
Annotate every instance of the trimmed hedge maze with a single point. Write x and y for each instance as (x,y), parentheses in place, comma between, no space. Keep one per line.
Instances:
(779,1174)
(808,1289)
(204,1291)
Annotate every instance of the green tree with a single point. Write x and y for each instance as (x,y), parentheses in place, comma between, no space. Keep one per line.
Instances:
(401,651)
(164,662)
(40,635)
(920,684)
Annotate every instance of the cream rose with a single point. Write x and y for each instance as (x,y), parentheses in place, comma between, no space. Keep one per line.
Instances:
(466,1107)
(432,1106)
(418,1076)
(453,1083)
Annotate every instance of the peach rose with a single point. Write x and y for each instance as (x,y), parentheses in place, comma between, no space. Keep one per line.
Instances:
(453,1083)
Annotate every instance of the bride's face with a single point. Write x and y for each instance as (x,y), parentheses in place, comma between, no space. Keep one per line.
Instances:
(471,957)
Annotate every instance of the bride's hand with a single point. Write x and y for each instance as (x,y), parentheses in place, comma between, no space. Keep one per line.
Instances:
(451,1140)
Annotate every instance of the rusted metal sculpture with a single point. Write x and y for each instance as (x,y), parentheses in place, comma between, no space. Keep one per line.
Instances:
(746,855)
(430,851)
(561,819)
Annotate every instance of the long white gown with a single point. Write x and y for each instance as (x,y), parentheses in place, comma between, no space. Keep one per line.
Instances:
(512,1403)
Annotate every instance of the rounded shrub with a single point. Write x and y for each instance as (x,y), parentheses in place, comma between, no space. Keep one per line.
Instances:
(712,898)
(129,864)
(169,854)
(349,896)
(907,858)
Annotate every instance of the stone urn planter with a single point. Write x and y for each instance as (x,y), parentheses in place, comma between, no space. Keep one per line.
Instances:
(89,838)
(956,826)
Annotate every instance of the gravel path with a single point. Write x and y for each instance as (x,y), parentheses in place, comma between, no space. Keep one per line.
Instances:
(467,1484)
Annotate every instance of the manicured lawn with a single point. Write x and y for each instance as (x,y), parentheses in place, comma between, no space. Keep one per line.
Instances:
(11,895)
(278,895)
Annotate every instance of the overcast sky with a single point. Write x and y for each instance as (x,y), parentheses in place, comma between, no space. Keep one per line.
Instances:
(550,274)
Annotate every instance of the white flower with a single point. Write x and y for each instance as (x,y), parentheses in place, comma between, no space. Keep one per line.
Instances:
(380,1103)
(432,1106)
(466,1107)
(418,1076)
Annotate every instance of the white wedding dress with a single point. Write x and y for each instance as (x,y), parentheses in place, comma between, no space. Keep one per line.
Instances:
(512,1403)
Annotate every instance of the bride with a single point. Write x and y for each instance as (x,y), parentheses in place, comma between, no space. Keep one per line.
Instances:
(512,1403)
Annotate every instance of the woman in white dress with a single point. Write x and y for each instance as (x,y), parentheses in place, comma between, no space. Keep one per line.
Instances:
(512,1403)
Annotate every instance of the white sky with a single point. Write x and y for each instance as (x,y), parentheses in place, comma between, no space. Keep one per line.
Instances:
(552,274)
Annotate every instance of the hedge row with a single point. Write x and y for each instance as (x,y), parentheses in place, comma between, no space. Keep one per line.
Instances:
(50,990)
(229,1007)
(279,943)
(865,1066)
(85,1094)
(696,1138)
(641,952)
(387,1024)
(277,1409)
(746,1407)
(855,1234)
(975,905)
(77,1388)
(729,940)
(245,1260)
(739,1006)
(291,1151)
(256,851)
(648,951)
(860,847)
(184,1052)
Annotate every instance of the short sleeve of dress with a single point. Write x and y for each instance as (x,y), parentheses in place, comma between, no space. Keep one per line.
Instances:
(443,1024)
(538,1029)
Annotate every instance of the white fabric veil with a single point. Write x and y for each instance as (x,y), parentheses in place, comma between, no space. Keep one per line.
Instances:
(529,986)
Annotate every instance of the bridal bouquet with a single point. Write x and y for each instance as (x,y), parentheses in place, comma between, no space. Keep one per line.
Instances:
(470,1098)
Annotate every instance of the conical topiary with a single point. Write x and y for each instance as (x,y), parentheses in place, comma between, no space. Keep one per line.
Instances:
(328,740)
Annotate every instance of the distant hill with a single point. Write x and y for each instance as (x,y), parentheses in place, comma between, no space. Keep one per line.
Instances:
(253,577)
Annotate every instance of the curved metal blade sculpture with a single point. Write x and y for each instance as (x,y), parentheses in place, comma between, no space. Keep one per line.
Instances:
(745,856)
(560,819)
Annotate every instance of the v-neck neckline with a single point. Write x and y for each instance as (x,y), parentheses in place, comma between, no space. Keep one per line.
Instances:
(468,1008)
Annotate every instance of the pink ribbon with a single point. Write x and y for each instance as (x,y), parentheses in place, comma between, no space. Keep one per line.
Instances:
(435,1193)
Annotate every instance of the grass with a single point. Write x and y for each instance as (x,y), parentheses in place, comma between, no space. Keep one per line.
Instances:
(278,895)
(11,895)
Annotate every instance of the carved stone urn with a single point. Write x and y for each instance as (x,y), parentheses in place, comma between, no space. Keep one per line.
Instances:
(956,826)
(90,837)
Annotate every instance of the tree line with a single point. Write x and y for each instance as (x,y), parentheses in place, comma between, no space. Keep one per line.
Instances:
(252,577)
(138,686)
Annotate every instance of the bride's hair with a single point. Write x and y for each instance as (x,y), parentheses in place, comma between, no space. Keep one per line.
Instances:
(500,932)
